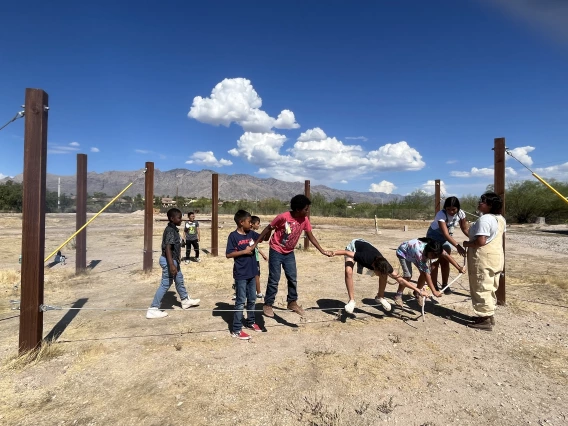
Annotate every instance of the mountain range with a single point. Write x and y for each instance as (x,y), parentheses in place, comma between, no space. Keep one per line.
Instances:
(188,183)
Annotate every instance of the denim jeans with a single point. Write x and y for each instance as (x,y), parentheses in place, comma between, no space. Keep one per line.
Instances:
(288,263)
(167,279)
(246,292)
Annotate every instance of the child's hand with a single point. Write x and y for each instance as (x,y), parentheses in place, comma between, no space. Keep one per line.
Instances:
(462,270)
(329,253)
(461,250)
(248,249)
(437,293)
(173,270)
(424,292)
(264,256)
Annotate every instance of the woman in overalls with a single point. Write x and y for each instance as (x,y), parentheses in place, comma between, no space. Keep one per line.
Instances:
(485,259)
(442,229)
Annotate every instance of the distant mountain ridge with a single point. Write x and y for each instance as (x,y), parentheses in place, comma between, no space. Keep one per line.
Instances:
(188,183)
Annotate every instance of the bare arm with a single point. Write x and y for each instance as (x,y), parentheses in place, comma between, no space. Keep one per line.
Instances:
(479,241)
(264,256)
(171,265)
(407,284)
(344,253)
(431,284)
(245,252)
(464,227)
(264,236)
(444,230)
(316,244)
(450,259)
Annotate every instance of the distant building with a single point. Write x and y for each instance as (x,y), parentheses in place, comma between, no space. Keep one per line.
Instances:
(168,202)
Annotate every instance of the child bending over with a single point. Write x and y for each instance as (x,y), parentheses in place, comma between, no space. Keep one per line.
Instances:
(367,256)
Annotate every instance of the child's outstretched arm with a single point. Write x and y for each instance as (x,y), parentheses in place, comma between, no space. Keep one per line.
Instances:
(316,244)
(264,236)
(264,256)
(343,253)
(408,284)
(450,259)
(431,284)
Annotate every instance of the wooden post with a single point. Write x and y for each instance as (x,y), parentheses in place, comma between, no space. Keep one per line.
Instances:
(437,196)
(307,194)
(215,214)
(148,216)
(33,219)
(499,186)
(81,215)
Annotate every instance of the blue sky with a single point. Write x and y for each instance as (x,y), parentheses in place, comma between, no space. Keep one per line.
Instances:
(361,95)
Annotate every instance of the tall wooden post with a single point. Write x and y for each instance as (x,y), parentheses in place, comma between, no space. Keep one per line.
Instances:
(81,215)
(307,194)
(437,196)
(499,185)
(148,216)
(33,219)
(215,214)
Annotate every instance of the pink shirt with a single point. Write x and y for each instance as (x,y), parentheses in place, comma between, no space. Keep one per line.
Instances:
(287,232)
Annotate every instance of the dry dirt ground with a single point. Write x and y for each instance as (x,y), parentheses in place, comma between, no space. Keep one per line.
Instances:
(116,367)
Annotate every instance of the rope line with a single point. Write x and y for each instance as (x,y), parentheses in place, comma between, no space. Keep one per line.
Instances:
(18,115)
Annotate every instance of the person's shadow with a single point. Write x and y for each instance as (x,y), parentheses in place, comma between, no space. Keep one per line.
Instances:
(227,312)
(396,311)
(170,300)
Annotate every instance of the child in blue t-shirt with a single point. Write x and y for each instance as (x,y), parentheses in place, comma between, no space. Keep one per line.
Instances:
(245,269)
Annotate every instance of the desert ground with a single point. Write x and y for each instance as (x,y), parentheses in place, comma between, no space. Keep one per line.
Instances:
(108,364)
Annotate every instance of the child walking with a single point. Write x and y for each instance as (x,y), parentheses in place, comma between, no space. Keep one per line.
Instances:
(192,235)
(240,247)
(287,228)
(255,223)
(170,262)
(367,256)
(418,252)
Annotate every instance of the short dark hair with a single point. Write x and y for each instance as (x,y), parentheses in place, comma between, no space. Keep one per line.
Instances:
(190,213)
(240,216)
(432,246)
(254,219)
(494,202)
(452,202)
(298,202)
(382,265)
(173,212)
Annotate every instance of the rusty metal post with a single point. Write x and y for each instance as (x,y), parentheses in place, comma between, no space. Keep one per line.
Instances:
(499,186)
(81,215)
(33,219)
(437,196)
(215,215)
(307,194)
(148,216)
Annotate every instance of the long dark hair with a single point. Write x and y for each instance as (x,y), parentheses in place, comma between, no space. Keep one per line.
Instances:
(432,246)
(452,202)
(382,265)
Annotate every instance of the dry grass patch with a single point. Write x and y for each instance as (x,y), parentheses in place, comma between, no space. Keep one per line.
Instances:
(46,352)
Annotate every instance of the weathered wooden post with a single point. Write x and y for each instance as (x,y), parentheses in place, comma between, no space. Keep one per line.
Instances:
(81,215)
(437,196)
(307,194)
(33,219)
(215,214)
(148,216)
(499,185)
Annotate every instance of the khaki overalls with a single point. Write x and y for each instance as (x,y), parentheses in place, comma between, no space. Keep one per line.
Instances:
(485,265)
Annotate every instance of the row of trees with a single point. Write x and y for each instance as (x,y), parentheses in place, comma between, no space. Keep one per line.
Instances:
(525,201)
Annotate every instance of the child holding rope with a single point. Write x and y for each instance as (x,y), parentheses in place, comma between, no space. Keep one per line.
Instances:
(287,228)
(419,252)
(367,256)
(170,262)
(240,248)
(255,223)
(442,229)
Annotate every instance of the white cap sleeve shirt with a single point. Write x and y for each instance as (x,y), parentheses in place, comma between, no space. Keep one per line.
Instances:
(451,220)
(486,226)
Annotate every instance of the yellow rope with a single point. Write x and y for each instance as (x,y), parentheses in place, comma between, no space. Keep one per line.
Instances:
(86,224)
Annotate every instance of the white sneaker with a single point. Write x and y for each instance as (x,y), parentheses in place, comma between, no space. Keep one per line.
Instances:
(350,307)
(198,260)
(155,313)
(383,302)
(188,303)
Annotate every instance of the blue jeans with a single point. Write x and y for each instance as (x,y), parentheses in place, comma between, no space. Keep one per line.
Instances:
(246,292)
(166,282)
(436,235)
(288,263)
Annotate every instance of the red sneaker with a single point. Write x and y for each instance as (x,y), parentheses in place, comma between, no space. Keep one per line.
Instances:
(253,327)
(241,335)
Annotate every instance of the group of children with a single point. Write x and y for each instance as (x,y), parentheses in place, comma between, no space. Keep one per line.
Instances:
(283,233)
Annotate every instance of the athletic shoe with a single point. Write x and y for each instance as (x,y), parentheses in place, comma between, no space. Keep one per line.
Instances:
(188,303)
(419,298)
(187,261)
(197,259)
(383,302)
(268,311)
(293,306)
(253,327)
(482,323)
(350,307)
(234,297)
(398,300)
(241,335)
(448,291)
(155,313)
(259,296)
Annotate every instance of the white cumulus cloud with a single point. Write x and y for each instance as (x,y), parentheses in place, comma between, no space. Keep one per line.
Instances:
(234,100)
(383,186)
(315,134)
(559,172)
(522,154)
(95,149)
(482,172)
(430,187)
(343,181)
(74,144)
(207,158)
